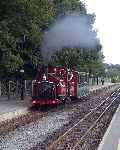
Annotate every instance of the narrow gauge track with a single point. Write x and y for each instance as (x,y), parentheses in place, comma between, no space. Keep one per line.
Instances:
(71,139)
(79,109)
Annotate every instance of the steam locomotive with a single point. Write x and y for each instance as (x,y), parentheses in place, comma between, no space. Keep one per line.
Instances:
(55,85)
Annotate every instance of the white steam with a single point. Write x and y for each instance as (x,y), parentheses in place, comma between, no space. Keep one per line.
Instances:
(70,31)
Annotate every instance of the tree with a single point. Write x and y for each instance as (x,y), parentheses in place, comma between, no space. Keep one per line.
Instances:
(85,60)
(29,18)
(112,72)
(67,57)
(19,18)
(64,7)
(22,26)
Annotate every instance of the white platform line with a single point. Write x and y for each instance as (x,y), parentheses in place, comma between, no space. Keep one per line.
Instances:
(118,148)
(100,147)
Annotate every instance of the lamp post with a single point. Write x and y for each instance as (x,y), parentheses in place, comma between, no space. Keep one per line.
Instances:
(92,76)
(97,78)
(22,84)
(106,74)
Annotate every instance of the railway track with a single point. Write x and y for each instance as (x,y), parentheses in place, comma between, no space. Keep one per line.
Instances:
(71,139)
(28,128)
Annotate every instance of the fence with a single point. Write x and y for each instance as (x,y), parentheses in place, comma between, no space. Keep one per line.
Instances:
(12,88)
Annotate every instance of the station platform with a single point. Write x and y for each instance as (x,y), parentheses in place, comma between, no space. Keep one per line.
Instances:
(111,139)
(95,87)
(12,108)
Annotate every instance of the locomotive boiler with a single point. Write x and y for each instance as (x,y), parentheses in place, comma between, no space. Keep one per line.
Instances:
(55,85)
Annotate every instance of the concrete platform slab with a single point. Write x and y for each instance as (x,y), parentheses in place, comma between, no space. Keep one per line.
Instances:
(13,108)
(95,87)
(111,139)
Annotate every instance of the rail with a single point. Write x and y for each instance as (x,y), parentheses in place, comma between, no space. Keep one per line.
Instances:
(68,140)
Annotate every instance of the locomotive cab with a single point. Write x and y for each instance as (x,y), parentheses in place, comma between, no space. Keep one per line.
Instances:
(44,93)
(46,90)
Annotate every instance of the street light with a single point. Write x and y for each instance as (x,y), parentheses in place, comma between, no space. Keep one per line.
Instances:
(22,83)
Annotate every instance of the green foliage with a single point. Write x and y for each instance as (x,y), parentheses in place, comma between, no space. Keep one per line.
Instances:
(31,18)
(85,60)
(67,57)
(66,6)
(18,18)
(113,72)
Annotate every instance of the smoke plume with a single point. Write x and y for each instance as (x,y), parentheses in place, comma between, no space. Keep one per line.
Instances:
(70,31)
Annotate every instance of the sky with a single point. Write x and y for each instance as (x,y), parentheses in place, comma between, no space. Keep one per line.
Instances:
(108,25)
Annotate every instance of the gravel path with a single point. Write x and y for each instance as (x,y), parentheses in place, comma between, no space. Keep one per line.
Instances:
(29,135)
(93,139)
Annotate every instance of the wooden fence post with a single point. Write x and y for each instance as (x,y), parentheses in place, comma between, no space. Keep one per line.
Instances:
(8,90)
(25,84)
(0,89)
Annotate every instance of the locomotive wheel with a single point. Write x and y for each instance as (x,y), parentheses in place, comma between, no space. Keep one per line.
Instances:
(73,98)
(35,108)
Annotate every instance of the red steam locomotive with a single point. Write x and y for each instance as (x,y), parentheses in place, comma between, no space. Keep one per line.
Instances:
(55,85)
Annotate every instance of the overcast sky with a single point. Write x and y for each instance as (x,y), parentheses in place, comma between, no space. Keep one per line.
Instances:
(108,23)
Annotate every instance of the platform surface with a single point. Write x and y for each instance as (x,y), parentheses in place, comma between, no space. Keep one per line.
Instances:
(95,87)
(12,108)
(111,139)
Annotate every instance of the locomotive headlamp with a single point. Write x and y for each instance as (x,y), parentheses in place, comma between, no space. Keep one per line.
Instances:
(34,81)
(55,69)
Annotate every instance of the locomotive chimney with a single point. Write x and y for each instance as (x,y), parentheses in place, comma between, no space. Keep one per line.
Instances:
(46,71)
(44,77)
